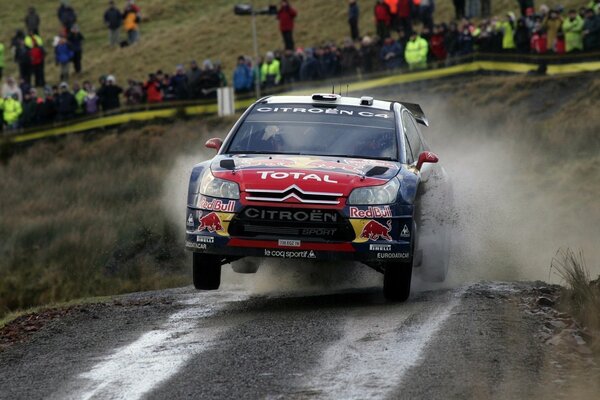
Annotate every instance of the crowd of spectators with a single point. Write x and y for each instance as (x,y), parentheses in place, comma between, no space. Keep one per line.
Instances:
(407,36)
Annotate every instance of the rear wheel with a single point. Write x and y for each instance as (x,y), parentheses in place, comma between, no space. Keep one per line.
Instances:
(206,271)
(396,281)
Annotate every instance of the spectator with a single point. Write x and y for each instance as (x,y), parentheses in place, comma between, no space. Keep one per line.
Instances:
(310,69)
(290,67)
(522,41)
(1,59)
(552,24)
(391,54)
(134,94)
(35,48)
(91,101)
(179,83)
(368,54)
(465,45)
(194,81)
(32,21)
(47,109)
(416,51)
(353,15)
(80,94)
(591,31)
(538,43)
(426,9)
(383,19)
(153,89)
(486,8)
(349,58)
(459,9)
(66,16)
(393,9)
(507,28)
(64,55)
(109,94)
(220,75)
(29,117)
(404,16)
(66,105)
(113,19)
(473,8)
(438,50)
(131,20)
(12,111)
(573,28)
(168,91)
(209,80)
(75,40)
(10,88)
(286,16)
(270,71)
(526,7)
(328,62)
(242,76)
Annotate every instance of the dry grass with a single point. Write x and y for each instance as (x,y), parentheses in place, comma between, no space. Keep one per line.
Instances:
(582,297)
(84,217)
(177,31)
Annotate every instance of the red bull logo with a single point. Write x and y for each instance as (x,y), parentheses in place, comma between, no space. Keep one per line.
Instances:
(374,230)
(210,222)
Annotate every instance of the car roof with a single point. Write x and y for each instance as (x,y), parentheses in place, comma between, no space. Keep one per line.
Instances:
(367,102)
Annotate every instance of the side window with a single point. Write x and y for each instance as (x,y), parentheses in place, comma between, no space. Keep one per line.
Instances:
(412,137)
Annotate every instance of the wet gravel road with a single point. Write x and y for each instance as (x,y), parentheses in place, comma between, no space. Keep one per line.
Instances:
(480,341)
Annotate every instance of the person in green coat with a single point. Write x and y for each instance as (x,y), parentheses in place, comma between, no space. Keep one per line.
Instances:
(1,59)
(416,51)
(508,31)
(11,111)
(573,27)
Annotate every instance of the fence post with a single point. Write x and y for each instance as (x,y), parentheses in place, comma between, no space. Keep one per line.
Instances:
(226,101)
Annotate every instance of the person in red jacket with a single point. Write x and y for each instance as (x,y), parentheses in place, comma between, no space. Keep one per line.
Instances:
(153,89)
(383,20)
(436,42)
(286,15)
(404,9)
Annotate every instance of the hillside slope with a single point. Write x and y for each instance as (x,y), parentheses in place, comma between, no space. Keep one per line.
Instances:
(177,31)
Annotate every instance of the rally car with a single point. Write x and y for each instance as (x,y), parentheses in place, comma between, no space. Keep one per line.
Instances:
(322,177)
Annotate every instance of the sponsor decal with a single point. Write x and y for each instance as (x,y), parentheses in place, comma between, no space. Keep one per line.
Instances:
(429,156)
(374,230)
(405,232)
(290,254)
(210,222)
(318,231)
(295,175)
(380,247)
(199,246)
(333,111)
(289,243)
(205,239)
(371,212)
(393,255)
(216,205)
(286,215)
(190,220)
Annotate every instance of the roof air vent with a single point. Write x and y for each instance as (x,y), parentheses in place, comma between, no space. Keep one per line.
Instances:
(366,101)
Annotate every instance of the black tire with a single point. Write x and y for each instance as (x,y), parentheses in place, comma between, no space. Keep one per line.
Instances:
(206,271)
(396,281)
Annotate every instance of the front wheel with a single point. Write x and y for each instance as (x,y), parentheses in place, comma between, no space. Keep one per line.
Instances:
(206,271)
(396,281)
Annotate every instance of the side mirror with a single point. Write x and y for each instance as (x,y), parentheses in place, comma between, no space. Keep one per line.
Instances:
(426,157)
(214,143)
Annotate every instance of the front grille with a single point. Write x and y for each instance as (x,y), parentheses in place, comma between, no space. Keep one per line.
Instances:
(298,223)
(293,192)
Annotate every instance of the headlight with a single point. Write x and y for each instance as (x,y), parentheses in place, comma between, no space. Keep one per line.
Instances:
(215,187)
(384,194)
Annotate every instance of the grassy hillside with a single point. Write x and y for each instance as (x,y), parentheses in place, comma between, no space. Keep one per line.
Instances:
(177,31)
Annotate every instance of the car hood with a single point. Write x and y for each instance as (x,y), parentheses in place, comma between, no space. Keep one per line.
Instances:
(333,175)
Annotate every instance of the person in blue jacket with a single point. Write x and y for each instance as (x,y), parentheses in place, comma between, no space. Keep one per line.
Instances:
(242,76)
(63,55)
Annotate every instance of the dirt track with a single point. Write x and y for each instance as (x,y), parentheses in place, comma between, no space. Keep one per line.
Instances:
(481,341)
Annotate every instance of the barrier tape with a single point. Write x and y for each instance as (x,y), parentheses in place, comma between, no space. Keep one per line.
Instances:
(208,109)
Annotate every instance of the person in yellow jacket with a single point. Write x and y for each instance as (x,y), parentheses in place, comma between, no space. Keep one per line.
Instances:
(270,71)
(416,51)
(508,31)
(552,24)
(573,28)
(11,111)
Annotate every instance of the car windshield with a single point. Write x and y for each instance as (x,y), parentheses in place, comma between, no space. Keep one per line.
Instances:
(343,131)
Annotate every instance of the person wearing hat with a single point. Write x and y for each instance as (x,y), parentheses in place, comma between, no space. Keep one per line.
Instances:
(573,27)
(63,55)
(270,72)
(552,24)
(242,76)
(109,94)
(66,105)
(507,28)
(11,111)
(591,30)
